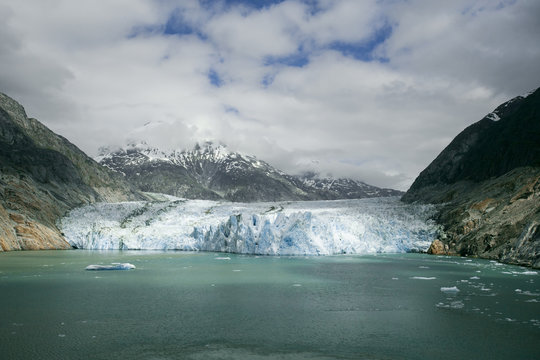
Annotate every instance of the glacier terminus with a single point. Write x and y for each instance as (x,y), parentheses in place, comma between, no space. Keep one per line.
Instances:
(364,226)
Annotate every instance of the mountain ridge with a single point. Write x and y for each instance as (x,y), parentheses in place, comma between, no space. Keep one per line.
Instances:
(487,181)
(214,172)
(42,176)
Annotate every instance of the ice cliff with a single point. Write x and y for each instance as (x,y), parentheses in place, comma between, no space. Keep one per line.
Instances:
(287,228)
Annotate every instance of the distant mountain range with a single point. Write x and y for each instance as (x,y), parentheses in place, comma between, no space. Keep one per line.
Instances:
(210,171)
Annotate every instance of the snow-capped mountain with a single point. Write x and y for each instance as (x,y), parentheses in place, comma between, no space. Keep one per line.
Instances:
(210,171)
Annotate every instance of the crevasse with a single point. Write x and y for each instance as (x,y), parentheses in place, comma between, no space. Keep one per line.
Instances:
(281,228)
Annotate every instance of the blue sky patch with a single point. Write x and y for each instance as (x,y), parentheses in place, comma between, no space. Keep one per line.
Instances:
(254,4)
(364,50)
(231,109)
(268,79)
(145,30)
(299,59)
(214,78)
(175,25)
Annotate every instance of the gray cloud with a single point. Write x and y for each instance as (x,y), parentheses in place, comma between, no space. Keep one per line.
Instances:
(367,89)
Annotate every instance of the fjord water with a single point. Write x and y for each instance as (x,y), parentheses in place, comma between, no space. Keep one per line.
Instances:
(181,305)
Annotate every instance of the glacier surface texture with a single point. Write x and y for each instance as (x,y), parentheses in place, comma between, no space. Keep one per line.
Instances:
(282,228)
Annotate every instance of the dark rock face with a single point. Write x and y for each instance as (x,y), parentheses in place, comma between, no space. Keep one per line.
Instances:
(212,172)
(488,180)
(42,175)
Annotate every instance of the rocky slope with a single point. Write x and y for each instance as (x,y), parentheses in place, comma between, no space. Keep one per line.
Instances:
(212,172)
(42,175)
(487,181)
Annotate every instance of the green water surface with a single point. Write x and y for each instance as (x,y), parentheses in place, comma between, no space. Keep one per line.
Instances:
(178,305)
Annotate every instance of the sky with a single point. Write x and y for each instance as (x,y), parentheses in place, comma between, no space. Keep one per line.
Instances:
(371,90)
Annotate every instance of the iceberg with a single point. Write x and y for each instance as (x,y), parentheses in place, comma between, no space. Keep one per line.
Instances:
(450,289)
(378,225)
(114,266)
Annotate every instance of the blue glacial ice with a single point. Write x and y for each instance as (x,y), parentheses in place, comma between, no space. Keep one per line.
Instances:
(380,225)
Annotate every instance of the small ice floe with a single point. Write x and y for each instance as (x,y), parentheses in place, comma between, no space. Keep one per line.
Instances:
(394,278)
(453,305)
(113,266)
(297,285)
(509,319)
(528,293)
(423,267)
(474,278)
(532,301)
(452,289)
(457,305)
(237,270)
(423,278)
(61,335)
(525,273)
(223,258)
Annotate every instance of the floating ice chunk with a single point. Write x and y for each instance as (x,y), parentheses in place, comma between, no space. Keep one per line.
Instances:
(452,289)
(395,278)
(297,285)
(525,273)
(222,258)
(115,266)
(457,304)
(474,278)
(453,305)
(423,278)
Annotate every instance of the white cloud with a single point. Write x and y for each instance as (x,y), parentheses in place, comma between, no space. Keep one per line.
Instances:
(97,72)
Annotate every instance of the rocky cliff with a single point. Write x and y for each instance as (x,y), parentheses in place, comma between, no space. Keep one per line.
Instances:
(42,175)
(487,181)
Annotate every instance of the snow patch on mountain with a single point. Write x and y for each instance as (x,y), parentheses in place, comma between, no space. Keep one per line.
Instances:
(493,116)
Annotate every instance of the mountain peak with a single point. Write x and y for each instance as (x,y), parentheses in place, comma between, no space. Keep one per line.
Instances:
(210,170)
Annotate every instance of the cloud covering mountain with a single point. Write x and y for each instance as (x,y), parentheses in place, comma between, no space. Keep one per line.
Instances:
(366,89)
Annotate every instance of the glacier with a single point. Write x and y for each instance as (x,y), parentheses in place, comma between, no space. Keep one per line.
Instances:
(376,225)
